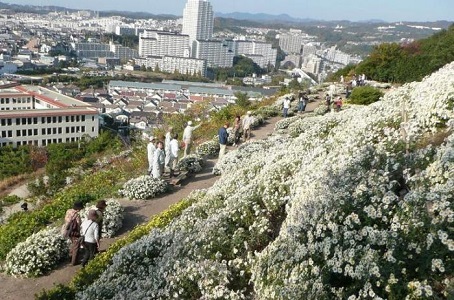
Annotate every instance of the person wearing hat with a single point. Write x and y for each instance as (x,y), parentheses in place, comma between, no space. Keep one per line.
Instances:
(187,137)
(151,148)
(247,124)
(72,217)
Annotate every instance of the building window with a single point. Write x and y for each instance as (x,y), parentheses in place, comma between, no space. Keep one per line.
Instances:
(67,129)
(43,131)
(17,121)
(43,120)
(49,119)
(10,121)
(54,119)
(82,128)
(43,142)
(30,132)
(35,120)
(35,132)
(49,130)
(67,118)
(4,133)
(24,132)
(83,118)
(54,130)
(29,121)
(59,119)
(17,132)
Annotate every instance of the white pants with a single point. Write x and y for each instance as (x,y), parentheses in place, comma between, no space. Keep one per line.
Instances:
(222,150)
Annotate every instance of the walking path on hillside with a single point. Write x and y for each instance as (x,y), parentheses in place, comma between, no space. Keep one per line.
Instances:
(136,212)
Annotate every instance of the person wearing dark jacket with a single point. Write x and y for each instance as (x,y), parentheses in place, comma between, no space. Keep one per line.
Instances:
(223,138)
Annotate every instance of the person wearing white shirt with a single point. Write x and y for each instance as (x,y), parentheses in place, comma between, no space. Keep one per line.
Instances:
(187,137)
(158,160)
(174,148)
(167,146)
(286,105)
(247,124)
(151,148)
(90,231)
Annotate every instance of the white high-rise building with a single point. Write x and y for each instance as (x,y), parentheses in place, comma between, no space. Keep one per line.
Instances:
(216,53)
(159,43)
(198,21)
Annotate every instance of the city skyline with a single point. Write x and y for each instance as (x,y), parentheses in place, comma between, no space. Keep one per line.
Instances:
(353,10)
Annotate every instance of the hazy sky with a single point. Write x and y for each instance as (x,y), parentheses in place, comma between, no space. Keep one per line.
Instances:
(354,10)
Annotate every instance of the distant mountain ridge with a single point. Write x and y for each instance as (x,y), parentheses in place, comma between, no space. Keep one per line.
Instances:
(262,17)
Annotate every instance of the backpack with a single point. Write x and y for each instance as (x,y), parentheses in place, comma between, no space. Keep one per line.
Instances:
(72,228)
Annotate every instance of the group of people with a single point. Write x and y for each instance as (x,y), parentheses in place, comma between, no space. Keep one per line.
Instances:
(303,100)
(337,103)
(86,234)
(162,155)
(240,128)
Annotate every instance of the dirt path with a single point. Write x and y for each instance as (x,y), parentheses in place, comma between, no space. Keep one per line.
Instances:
(136,212)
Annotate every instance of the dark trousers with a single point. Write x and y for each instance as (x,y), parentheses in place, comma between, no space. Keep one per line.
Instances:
(90,250)
(74,250)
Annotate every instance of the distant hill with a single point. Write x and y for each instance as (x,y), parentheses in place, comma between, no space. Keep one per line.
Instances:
(261,17)
(393,62)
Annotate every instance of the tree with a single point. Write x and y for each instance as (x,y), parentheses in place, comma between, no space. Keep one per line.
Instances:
(242,100)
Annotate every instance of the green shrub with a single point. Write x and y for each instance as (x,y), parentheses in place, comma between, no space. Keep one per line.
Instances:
(364,95)
(8,200)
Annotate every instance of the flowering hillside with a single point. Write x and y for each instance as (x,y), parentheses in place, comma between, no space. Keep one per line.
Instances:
(355,205)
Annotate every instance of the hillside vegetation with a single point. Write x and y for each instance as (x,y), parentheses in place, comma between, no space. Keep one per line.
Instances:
(409,62)
(351,205)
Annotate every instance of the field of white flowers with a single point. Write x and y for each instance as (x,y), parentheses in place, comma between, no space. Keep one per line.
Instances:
(355,205)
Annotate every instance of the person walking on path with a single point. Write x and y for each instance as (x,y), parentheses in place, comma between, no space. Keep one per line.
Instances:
(90,231)
(187,137)
(158,160)
(328,102)
(302,102)
(174,148)
(247,124)
(286,107)
(338,104)
(99,209)
(168,138)
(150,152)
(223,139)
(236,131)
(71,229)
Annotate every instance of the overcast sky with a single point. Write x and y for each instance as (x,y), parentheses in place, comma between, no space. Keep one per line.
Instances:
(354,10)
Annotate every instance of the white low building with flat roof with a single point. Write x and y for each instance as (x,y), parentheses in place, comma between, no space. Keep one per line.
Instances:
(32,115)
